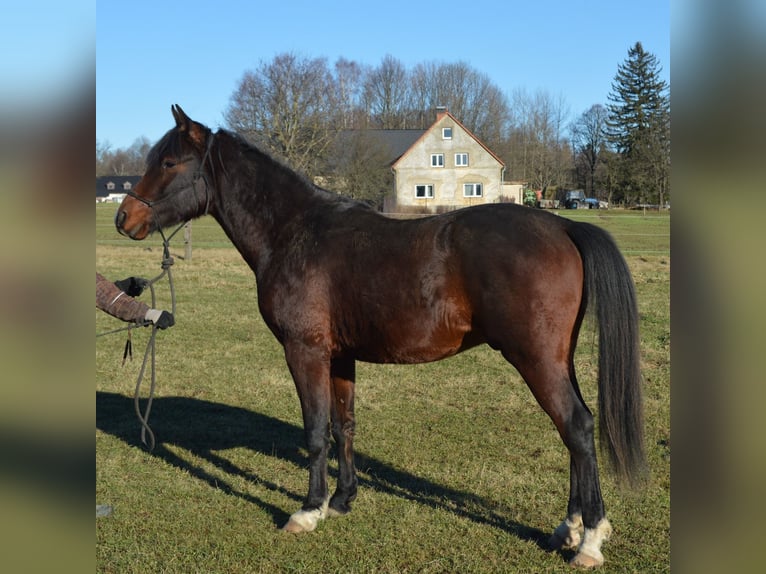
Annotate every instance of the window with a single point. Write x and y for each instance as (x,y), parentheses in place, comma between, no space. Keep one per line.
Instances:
(446,133)
(461,159)
(127,186)
(110,186)
(424,191)
(437,160)
(472,190)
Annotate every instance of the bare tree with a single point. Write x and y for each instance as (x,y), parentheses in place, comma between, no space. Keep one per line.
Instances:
(361,168)
(122,161)
(103,149)
(468,94)
(349,82)
(387,94)
(423,100)
(540,154)
(589,138)
(288,106)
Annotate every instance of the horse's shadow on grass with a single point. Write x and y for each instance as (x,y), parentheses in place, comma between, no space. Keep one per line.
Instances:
(203,427)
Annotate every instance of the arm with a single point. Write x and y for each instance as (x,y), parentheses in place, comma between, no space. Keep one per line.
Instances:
(117,303)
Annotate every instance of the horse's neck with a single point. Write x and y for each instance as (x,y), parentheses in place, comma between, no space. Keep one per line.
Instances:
(254,214)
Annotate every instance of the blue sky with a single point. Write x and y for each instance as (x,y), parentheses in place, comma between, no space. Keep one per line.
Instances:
(47,52)
(151,55)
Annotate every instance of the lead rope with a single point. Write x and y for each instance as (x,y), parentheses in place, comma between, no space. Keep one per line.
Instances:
(167,262)
(143,417)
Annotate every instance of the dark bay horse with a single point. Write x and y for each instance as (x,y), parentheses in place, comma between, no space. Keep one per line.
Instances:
(338,282)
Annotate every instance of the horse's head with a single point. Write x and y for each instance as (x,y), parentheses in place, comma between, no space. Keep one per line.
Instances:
(175,186)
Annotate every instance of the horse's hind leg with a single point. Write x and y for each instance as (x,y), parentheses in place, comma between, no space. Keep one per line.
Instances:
(568,534)
(586,527)
(342,373)
(557,395)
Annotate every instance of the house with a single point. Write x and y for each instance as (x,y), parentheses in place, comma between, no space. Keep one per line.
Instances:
(447,167)
(112,188)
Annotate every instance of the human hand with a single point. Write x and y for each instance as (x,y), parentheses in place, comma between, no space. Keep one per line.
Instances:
(133,286)
(162,319)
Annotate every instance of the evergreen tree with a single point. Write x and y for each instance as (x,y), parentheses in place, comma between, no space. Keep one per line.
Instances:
(639,128)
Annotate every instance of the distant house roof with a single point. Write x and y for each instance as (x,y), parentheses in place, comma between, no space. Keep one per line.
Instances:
(396,142)
(107,184)
(441,115)
(391,143)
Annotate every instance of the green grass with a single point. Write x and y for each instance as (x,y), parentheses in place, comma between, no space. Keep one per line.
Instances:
(460,470)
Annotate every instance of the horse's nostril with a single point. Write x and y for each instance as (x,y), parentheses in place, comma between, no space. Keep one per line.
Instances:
(119,218)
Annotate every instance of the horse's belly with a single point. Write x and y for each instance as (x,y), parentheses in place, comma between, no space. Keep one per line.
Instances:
(409,350)
(410,331)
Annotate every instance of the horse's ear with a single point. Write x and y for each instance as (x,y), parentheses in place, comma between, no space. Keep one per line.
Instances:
(182,120)
(196,131)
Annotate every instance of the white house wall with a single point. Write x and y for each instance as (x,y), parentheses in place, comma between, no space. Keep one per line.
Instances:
(414,168)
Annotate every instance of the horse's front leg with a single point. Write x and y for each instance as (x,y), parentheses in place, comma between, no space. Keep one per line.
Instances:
(343,375)
(310,369)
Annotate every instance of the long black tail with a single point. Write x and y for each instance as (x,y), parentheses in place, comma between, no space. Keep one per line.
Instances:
(608,285)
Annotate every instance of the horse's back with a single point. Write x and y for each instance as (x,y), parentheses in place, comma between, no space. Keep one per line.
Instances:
(421,290)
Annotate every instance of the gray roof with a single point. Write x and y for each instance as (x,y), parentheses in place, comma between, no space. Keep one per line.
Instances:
(119,182)
(396,142)
(392,143)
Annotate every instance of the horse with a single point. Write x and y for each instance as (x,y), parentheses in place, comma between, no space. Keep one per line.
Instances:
(338,282)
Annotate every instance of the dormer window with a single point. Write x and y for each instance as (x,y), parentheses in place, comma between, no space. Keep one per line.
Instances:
(110,186)
(447,133)
(127,186)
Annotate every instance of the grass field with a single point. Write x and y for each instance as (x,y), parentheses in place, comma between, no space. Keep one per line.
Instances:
(460,470)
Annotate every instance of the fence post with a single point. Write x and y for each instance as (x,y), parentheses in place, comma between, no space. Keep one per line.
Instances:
(187,241)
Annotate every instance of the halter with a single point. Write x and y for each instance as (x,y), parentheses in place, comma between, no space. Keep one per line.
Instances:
(198,174)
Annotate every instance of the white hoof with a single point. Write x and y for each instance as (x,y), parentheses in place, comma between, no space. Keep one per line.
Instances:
(306,520)
(589,555)
(586,562)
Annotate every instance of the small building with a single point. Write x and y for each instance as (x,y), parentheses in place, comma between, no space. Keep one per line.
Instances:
(113,188)
(447,167)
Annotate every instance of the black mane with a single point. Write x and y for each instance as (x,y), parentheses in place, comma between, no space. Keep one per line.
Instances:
(247,147)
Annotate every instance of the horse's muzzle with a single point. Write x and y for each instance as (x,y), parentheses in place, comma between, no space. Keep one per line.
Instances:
(135,230)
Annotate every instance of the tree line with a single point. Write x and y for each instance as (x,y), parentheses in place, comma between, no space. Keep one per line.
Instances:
(315,116)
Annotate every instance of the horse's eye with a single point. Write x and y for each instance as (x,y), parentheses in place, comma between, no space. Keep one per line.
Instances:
(167,164)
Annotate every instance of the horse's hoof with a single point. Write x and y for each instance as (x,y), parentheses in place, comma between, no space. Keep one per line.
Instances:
(589,555)
(306,520)
(585,561)
(294,527)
